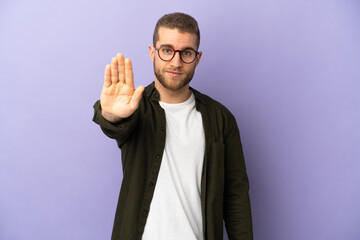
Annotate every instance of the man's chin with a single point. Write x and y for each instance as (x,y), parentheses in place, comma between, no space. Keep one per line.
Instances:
(173,84)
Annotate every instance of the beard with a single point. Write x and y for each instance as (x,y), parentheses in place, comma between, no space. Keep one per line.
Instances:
(173,83)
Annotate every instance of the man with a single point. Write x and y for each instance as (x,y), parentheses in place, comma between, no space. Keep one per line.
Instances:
(183,165)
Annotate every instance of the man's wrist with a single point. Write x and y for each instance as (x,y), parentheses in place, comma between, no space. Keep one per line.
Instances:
(111,118)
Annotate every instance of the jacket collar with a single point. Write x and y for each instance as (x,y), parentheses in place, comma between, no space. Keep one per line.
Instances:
(151,91)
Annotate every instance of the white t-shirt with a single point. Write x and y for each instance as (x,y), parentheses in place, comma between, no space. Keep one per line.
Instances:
(175,210)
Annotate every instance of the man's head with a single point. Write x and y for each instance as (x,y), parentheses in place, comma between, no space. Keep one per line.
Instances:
(176,40)
(180,21)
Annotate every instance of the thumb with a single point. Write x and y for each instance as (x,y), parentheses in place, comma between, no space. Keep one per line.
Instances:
(134,103)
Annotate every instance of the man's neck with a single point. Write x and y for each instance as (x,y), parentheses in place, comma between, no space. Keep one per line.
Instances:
(172,96)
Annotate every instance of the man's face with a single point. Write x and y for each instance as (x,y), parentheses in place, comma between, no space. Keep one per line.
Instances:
(174,74)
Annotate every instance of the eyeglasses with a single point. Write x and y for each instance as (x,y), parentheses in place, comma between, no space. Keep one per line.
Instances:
(166,53)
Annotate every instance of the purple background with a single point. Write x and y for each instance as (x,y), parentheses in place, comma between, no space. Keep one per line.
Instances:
(288,70)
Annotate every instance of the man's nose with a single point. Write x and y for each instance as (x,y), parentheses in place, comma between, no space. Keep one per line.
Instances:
(176,61)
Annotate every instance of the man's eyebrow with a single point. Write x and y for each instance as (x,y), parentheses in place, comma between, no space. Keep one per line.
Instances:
(166,45)
(170,45)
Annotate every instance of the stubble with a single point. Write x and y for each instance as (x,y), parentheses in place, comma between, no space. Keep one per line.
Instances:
(173,83)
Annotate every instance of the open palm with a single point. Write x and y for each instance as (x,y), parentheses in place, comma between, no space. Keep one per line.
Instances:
(118,98)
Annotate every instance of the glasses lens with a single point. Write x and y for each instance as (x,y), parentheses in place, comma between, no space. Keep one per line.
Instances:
(166,53)
(188,55)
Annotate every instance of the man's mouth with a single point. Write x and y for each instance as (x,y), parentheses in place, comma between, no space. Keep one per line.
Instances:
(174,73)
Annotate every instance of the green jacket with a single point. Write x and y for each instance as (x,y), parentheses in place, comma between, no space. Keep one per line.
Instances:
(224,185)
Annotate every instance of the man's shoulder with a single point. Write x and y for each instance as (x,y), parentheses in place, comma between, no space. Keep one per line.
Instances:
(210,102)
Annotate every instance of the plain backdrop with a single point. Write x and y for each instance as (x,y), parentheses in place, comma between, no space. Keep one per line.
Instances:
(288,70)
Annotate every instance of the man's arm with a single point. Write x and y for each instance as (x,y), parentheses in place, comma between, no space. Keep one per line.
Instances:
(237,212)
(121,130)
(118,101)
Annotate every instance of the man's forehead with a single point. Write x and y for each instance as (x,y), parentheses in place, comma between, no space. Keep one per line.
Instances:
(173,36)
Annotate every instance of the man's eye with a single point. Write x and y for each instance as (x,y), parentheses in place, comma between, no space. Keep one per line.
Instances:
(167,50)
(187,53)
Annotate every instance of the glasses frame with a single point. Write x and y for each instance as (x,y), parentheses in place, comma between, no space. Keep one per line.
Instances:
(179,51)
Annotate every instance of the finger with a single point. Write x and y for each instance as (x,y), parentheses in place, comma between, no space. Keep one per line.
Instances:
(129,74)
(114,70)
(107,76)
(121,65)
(134,103)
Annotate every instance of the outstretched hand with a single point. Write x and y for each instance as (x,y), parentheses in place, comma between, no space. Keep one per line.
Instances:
(118,98)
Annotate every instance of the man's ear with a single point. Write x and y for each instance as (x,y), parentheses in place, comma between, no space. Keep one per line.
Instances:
(151,52)
(198,58)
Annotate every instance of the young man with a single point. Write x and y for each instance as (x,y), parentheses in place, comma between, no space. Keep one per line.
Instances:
(183,165)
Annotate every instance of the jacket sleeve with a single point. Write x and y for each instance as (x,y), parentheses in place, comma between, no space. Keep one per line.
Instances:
(119,131)
(237,211)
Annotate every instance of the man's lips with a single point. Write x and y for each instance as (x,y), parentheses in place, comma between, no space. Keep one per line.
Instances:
(174,73)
